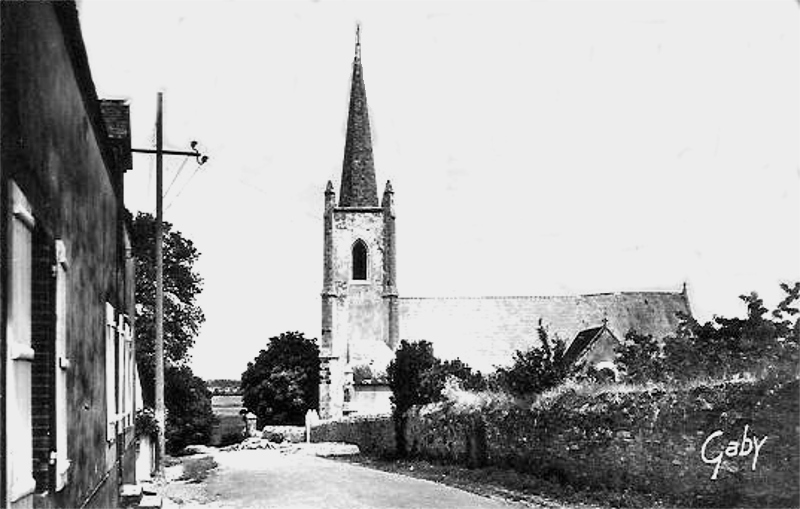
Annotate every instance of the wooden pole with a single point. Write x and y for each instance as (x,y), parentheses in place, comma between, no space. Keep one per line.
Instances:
(159,339)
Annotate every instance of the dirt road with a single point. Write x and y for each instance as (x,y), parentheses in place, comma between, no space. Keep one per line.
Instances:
(268,478)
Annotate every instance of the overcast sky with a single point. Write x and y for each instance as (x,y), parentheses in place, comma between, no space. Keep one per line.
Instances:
(535,148)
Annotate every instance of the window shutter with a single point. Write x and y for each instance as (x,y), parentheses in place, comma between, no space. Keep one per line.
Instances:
(62,368)
(111,396)
(20,354)
(130,368)
(124,373)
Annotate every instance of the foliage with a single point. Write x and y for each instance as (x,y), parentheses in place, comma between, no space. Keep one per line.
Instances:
(197,470)
(435,379)
(190,418)
(146,424)
(536,369)
(282,382)
(641,358)
(764,342)
(182,316)
(417,377)
(231,438)
(364,375)
(186,398)
(223,387)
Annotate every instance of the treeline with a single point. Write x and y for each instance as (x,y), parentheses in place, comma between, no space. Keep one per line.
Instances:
(224,387)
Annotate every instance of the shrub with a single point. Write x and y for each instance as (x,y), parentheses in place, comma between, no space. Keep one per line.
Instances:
(764,342)
(190,418)
(641,359)
(417,377)
(536,369)
(146,424)
(231,438)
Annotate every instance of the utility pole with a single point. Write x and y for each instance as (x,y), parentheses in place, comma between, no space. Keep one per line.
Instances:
(159,340)
(159,255)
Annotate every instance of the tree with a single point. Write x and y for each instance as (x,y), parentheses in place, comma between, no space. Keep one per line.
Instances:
(282,382)
(435,377)
(417,377)
(640,358)
(190,418)
(538,368)
(182,316)
(187,421)
(406,374)
(762,342)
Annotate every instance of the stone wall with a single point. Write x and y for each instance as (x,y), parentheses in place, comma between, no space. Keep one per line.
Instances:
(374,436)
(645,440)
(649,441)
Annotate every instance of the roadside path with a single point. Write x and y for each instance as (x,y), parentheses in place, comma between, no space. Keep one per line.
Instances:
(272,479)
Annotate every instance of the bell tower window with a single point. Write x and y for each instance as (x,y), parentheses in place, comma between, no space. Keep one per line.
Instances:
(359,260)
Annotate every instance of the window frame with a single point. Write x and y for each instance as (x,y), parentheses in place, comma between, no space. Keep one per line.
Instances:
(359,243)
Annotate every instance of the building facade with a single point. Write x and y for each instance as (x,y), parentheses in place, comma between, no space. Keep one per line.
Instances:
(363,318)
(68,368)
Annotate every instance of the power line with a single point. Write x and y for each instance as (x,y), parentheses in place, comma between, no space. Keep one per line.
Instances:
(177,174)
(184,186)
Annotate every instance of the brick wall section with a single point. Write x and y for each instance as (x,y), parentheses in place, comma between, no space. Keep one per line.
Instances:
(43,343)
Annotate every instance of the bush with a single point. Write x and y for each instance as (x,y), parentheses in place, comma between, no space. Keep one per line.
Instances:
(231,438)
(537,369)
(764,343)
(417,377)
(190,418)
(146,424)
(641,358)
(274,436)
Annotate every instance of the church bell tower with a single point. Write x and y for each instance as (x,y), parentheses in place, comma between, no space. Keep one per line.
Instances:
(359,294)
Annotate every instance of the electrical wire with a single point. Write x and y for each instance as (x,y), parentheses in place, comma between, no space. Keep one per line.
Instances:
(177,174)
(184,186)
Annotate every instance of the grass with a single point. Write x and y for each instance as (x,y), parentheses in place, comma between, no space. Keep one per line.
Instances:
(508,484)
(461,400)
(196,470)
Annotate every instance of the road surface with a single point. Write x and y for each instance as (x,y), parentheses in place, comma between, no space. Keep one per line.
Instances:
(268,478)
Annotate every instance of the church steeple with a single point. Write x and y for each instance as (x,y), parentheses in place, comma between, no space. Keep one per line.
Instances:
(358,169)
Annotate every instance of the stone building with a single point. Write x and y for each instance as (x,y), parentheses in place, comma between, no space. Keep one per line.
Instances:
(68,369)
(363,317)
(359,299)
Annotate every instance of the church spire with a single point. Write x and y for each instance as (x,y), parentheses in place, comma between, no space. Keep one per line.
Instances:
(358,169)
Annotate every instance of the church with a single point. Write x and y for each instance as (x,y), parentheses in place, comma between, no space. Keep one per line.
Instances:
(364,317)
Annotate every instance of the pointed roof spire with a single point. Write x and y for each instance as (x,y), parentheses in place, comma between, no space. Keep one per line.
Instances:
(358,42)
(358,168)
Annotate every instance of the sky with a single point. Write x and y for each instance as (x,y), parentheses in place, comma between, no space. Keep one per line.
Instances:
(534,147)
